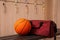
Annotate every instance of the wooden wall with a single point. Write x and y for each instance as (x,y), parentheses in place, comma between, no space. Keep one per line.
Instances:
(11,10)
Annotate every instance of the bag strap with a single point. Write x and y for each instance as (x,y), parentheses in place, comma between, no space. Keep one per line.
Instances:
(40,25)
(54,26)
(32,24)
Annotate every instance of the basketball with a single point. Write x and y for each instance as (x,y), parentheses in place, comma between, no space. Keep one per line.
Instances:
(22,26)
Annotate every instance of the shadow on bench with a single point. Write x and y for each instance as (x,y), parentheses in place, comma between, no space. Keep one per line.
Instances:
(30,37)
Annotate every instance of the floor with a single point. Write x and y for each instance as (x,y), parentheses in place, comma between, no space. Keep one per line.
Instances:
(31,37)
(57,38)
(16,37)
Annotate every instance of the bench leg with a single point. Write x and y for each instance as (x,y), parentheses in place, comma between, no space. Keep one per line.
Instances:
(54,36)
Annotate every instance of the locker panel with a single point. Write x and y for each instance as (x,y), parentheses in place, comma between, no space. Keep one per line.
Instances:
(21,11)
(2,20)
(0,17)
(40,12)
(10,18)
(57,15)
(36,12)
(31,14)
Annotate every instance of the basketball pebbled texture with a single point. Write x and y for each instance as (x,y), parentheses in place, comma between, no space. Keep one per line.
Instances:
(22,26)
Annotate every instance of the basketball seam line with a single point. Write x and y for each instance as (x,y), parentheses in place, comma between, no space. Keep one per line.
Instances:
(23,27)
(18,24)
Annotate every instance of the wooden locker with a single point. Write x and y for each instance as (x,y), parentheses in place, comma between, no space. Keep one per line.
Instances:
(40,12)
(36,12)
(21,11)
(31,12)
(10,18)
(57,14)
(2,19)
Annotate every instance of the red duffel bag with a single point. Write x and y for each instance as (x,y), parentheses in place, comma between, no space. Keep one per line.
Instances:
(43,27)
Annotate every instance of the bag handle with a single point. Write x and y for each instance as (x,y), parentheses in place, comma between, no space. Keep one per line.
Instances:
(40,25)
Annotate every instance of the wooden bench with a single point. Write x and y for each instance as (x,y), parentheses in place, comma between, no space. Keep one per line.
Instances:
(28,37)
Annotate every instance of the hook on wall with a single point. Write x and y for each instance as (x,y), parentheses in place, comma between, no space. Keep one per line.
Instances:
(3,3)
(4,8)
(27,10)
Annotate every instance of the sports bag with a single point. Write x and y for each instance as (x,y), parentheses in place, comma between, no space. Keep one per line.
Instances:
(43,27)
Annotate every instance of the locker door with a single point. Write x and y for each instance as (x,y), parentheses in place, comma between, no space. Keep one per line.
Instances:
(2,19)
(37,14)
(31,13)
(21,11)
(10,17)
(58,14)
(42,6)
(40,12)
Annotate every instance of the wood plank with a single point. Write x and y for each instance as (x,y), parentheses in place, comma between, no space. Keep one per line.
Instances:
(21,11)
(10,10)
(2,15)
(30,37)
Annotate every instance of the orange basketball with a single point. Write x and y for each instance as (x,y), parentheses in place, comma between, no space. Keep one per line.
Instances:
(22,26)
